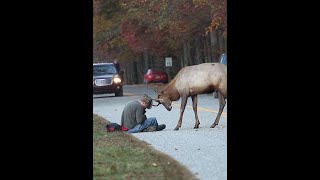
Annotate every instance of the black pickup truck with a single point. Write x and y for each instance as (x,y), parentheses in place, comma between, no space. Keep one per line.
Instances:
(106,79)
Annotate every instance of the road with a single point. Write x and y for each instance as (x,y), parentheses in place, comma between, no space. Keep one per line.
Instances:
(203,150)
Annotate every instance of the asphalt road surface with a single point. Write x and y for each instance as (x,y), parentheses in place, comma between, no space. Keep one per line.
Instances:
(203,150)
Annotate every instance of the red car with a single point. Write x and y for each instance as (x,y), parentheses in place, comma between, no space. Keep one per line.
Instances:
(155,77)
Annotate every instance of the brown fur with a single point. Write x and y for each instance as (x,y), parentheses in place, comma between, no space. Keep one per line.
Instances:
(193,80)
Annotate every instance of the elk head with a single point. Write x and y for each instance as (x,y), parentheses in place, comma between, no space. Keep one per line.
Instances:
(163,99)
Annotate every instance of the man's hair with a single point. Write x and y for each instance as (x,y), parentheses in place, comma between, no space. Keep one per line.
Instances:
(146,99)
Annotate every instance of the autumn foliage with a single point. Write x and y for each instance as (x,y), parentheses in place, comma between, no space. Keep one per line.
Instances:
(129,27)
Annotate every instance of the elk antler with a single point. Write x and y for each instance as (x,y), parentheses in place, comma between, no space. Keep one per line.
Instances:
(158,101)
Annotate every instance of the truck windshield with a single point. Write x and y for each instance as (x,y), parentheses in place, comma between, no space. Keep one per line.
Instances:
(99,70)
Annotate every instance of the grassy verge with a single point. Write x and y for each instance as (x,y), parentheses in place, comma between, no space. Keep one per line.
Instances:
(118,155)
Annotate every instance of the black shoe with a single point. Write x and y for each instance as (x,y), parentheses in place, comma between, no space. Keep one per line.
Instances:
(161,127)
(150,129)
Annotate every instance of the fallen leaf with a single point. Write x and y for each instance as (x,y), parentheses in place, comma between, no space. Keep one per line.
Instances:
(154,164)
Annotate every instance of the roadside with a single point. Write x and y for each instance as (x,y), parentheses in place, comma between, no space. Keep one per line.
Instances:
(118,155)
(203,151)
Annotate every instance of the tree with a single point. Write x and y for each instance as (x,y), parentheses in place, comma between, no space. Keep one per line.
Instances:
(145,31)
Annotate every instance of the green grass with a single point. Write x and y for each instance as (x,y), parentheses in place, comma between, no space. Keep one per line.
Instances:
(118,155)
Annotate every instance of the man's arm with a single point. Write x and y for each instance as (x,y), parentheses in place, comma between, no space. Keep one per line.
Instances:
(140,115)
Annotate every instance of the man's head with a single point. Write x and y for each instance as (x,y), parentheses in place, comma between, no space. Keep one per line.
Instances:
(147,101)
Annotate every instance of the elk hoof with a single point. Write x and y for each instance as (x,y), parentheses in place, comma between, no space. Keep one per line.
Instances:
(213,125)
(196,127)
(176,129)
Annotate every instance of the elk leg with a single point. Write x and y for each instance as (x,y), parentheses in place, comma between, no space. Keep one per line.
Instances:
(222,103)
(182,107)
(194,104)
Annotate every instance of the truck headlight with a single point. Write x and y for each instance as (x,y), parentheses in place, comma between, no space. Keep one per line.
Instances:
(117,79)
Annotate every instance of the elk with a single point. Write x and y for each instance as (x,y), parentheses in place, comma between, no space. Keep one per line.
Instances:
(203,78)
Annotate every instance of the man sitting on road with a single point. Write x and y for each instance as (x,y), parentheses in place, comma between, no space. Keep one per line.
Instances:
(134,119)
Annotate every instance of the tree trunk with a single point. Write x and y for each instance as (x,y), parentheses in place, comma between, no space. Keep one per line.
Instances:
(225,44)
(135,72)
(129,71)
(192,49)
(186,54)
(140,69)
(207,48)
(146,60)
(197,54)
(222,46)
(214,45)
(181,59)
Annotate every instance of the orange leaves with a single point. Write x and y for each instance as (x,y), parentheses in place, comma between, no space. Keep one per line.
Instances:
(218,13)
(156,25)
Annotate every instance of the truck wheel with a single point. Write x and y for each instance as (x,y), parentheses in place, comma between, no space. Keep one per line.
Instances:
(120,93)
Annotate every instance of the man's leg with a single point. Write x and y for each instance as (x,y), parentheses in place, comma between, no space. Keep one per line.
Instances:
(153,125)
(152,121)
(135,129)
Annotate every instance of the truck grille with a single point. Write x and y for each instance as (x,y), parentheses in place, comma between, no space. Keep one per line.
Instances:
(103,82)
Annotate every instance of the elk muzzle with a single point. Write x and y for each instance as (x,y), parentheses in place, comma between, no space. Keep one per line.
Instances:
(165,104)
